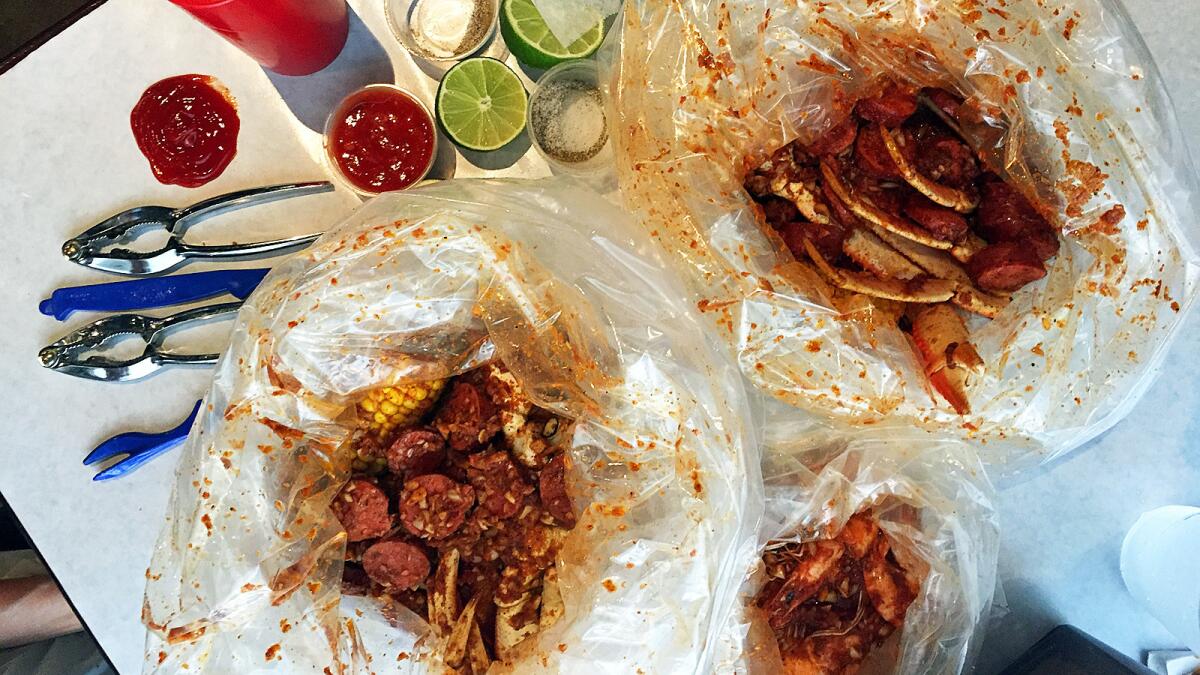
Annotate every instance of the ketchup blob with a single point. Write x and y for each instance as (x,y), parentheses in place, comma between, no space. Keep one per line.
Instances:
(187,128)
(381,139)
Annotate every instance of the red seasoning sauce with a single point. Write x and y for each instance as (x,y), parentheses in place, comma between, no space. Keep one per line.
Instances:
(381,139)
(187,127)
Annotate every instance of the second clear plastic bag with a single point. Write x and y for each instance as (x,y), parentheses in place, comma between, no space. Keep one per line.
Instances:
(1075,114)
(556,283)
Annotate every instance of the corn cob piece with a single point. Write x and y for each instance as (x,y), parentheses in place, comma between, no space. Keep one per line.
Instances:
(387,409)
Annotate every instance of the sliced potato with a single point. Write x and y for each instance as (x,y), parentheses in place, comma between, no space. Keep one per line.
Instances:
(968,247)
(460,634)
(552,602)
(934,261)
(509,636)
(443,595)
(944,266)
(477,656)
(973,299)
(876,256)
(940,194)
(922,290)
(863,208)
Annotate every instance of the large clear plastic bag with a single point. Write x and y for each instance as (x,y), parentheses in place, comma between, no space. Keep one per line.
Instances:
(558,284)
(934,502)
(1076,114)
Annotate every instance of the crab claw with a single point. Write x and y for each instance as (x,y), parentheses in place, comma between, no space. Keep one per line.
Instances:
(942,341)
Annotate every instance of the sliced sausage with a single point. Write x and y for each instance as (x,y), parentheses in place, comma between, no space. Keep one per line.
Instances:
(415,451)
(396,564)
(499,484)
(944,223)
(779,211)
(1043,241)
(1005,214)
(945,101)
(354,580)
(552,486)
(889,108)
(947,160)
(836,140)
(871,155)
(468,419)
(827,238)
(362,508)
(433,507)
(841,213)
(1005,266)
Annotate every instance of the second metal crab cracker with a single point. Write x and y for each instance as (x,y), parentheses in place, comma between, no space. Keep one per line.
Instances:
(70,354)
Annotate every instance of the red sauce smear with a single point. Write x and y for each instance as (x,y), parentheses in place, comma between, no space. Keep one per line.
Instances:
(187,128)
(382,140)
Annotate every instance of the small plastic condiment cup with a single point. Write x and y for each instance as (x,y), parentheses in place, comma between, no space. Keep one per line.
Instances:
(339,114)
(402,14)
(586,73)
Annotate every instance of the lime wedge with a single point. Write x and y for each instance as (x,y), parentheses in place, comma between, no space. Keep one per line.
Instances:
(481,104)
(533,44)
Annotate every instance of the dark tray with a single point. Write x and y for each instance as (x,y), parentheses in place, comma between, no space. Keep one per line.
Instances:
(26,25)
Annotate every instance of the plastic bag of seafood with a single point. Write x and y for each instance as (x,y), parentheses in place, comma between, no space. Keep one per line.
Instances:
(473,428)
(974,217)
(878,555)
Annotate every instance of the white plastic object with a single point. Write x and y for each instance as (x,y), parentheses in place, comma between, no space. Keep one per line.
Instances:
(1158,564)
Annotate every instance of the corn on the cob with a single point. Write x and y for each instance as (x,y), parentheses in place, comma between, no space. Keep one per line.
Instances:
(388,408)
(385,410)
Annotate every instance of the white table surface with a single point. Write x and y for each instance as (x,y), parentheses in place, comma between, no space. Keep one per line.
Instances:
(1062,527)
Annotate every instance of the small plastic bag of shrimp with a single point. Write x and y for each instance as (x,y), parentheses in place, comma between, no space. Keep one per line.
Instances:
(475,428)
(877,555)
(975,217)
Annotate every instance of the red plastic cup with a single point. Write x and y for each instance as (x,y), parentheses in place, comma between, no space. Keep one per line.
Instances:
(290,37)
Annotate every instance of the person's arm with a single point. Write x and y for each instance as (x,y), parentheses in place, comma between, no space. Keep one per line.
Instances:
(33,609)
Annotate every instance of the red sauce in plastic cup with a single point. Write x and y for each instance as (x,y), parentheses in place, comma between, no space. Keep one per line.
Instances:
(291,37)
(381,139)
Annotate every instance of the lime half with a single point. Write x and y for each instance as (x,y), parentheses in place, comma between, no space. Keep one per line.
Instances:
(481,104)
(533,44)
